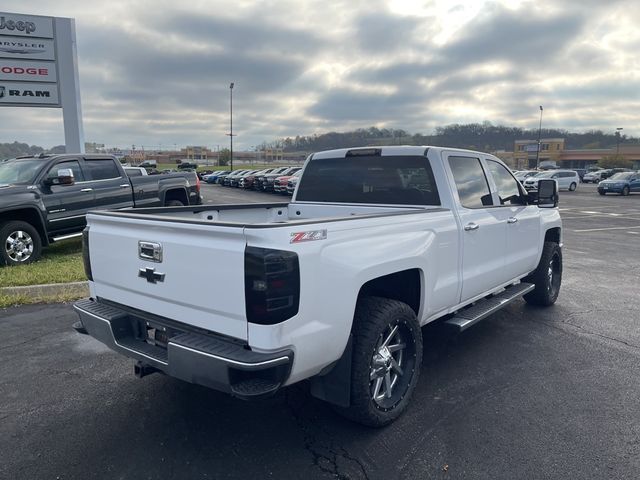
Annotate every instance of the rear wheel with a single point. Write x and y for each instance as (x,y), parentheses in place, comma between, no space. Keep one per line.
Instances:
(625,191)
(387,356)
(174,203)
(20,243)
(547,277)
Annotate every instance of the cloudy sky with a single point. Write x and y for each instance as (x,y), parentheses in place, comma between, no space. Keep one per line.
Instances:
(157,73)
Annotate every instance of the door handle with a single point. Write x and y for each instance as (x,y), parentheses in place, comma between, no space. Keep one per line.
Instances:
(471,226)
(512,220)
(87,190)
(125,185)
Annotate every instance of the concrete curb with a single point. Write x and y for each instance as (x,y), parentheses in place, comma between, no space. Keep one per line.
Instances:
(75,288)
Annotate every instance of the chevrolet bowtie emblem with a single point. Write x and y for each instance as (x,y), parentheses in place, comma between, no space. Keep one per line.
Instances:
(151,275)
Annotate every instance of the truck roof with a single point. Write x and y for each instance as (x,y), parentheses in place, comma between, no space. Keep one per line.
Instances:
(49,156)
(388,150)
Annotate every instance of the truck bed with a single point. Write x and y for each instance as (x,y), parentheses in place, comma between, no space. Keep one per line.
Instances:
(264,215)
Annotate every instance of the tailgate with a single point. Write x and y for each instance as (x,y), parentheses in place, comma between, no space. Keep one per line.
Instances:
(198,281)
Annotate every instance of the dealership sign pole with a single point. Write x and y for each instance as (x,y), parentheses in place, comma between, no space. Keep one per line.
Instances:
(39,68)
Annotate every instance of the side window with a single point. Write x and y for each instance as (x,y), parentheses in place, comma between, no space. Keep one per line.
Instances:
(74,165)
(133,172)
(102,169)
(508,190)
(471,182)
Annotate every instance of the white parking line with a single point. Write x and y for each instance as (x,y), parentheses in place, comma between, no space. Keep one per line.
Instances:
(602,229)
(635,233)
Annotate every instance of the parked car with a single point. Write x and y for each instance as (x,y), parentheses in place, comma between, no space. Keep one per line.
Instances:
(259,180)
(215,176)
(594,176)
(204,173)
(249,180)
(293,181)
(280,183)
(270,179)
(232,176)
(623,183)
(522,174)
(566,179)
(384,260)
(239,180)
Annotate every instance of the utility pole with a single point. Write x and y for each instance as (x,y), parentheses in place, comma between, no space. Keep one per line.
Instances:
(618,130)
(539,132)
(230,134)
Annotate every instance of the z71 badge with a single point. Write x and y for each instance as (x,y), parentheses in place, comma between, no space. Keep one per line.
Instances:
(308,236)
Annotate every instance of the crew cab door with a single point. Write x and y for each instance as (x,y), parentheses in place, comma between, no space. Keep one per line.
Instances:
(66,205)
(483,233)
(522,221)
(110,185)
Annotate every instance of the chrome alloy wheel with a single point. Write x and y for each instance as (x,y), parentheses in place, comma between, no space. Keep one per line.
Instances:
(553,274)
(392,366)
(19,246)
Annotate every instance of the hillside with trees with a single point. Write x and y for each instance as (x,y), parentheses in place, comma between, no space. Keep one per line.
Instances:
(479,136)
(17,149)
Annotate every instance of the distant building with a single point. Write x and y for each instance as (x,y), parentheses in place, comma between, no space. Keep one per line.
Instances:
(92,147)
(195,153)
(553,153)
(524,152)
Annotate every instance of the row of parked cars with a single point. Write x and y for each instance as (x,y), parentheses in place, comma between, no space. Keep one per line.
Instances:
(614,180)
(277,179)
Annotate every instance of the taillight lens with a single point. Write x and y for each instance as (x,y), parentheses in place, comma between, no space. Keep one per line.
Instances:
(272,285)
(85,254)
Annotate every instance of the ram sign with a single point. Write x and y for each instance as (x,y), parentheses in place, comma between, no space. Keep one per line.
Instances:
(39,68)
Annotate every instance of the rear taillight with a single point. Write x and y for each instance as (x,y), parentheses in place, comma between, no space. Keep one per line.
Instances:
(272,285)
(85,254)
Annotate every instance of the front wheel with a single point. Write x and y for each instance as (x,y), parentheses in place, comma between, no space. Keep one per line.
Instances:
(572,187)
(547,277)
(625,191)
(387,356)
(600,192)
(20,243)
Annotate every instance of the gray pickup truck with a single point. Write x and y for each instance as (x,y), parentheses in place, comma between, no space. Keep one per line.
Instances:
(46,198)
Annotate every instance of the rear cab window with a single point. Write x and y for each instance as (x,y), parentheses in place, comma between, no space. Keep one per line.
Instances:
(102,169)
(369,179)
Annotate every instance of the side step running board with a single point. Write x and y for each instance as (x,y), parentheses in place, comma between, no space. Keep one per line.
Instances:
(483,308)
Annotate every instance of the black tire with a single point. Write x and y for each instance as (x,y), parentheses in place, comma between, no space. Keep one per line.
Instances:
(601,192)
(20,243)
(572,187)
(173,203)
(547,277)
(625,191)
(375,321)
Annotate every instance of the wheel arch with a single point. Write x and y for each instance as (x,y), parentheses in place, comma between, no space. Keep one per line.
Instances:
(333,384)
(30,215)
(175,193)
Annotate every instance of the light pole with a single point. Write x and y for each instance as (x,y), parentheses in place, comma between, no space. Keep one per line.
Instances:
(539,132)
(231,135)
(618,130)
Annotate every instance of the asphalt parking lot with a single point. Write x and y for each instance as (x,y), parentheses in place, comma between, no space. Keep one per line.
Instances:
(527,393)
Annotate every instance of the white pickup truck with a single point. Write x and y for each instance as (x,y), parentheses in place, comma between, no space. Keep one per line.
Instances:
(332,287)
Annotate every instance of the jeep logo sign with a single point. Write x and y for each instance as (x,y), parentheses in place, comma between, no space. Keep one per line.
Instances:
(27,27)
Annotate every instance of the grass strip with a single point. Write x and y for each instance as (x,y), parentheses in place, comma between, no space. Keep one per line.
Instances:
(60,263)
